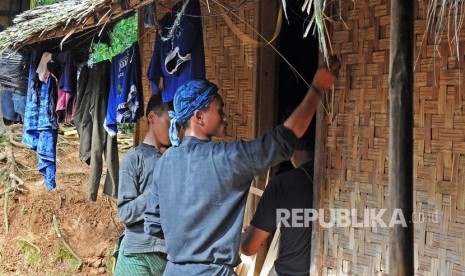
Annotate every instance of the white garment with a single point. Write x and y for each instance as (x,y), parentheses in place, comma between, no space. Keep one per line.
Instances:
(42,70)
(273,272)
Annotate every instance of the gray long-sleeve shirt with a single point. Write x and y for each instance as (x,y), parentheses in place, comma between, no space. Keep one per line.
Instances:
(198,198)
(135,178)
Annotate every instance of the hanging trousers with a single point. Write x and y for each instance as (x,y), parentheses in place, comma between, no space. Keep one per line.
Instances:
(91,109)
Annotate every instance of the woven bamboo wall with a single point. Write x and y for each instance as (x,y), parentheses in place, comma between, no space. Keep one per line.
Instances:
(357,146)
(229,56)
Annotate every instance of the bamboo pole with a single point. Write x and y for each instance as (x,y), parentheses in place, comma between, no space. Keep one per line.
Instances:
(401,136)
(58,233)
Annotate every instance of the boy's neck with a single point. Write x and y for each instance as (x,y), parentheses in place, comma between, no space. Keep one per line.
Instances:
(151,140)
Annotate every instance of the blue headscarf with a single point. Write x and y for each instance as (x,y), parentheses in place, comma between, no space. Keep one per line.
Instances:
(191,96)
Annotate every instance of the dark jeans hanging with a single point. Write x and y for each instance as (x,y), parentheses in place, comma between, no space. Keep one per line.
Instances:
(91,108)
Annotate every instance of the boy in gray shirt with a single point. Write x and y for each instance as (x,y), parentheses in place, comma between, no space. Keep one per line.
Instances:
(142,254)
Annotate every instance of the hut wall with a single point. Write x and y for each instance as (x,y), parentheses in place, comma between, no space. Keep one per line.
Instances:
(357,144)
(230,57)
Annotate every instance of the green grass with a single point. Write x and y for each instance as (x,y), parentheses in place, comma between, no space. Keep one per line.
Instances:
(62,256)
(32,254)
(110,260)
(126,128)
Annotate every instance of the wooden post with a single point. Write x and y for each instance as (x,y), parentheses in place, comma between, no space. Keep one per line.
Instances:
(316,256)
(265,93)
(401,136)
(146,38)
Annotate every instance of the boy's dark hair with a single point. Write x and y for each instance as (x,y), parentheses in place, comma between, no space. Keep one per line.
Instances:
(156,105)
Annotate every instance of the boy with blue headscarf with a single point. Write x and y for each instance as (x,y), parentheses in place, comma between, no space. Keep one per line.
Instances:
(200,187)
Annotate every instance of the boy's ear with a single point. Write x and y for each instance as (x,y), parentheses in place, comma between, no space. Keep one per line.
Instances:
(151,116)
(198,117)
(198,114)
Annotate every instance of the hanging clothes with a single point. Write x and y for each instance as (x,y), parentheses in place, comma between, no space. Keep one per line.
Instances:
(40,125)
(62,66)
(65,106)
(149,15)
(42,69)
(19,104)
(181,58)
(94,142)
(8,109)
(67,71)
(125,99)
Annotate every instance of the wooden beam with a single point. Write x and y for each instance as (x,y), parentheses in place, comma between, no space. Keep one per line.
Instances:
(140,127)
(401,136)
(265,73)
(316,252)
(265,94)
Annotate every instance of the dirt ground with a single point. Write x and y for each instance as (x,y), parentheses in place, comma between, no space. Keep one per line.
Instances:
(31,245)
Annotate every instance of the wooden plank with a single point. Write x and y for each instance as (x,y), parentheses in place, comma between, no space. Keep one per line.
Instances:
(401,243)
(272,253)
(145,51)
(256,191)
(316,252)
(265,116)
(265,84)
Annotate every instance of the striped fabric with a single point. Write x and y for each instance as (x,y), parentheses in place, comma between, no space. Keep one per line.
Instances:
(140,264)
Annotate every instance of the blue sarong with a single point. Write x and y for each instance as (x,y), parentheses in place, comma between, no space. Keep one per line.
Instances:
(40,125)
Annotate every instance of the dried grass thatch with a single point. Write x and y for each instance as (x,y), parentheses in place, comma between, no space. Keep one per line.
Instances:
(444,21)
(318,22)
(63,20)
(316,8)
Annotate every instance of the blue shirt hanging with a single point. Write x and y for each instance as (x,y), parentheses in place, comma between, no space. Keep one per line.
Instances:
(181,57)
(125,98)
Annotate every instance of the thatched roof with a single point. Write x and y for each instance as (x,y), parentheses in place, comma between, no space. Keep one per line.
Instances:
(72,17)
(69,19)
(63,20)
